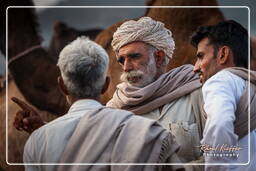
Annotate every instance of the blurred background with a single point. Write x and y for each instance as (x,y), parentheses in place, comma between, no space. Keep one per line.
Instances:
(101,18)
(64,22)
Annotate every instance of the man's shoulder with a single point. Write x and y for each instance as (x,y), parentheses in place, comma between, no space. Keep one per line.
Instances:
(51,136)
(224,76)
(53,127)
(115,111)
(128,114)
(52,124)
(224,79)
(224,84)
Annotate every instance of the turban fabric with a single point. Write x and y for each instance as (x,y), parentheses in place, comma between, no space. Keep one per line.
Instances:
(145,30)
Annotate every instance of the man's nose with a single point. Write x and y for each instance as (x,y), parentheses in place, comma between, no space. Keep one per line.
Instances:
(127,65)
(196,66)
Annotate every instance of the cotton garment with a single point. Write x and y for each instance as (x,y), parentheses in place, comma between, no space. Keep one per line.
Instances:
(107,135)
(174,100)
(89,134)
(221,95)
(168,87)
(46,144)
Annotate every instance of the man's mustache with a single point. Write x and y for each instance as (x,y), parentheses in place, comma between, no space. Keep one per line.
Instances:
(126,76)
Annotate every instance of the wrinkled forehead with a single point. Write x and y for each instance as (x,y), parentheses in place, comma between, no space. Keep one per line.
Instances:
(133,47)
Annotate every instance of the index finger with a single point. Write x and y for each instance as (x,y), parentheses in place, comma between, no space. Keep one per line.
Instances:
(22,104)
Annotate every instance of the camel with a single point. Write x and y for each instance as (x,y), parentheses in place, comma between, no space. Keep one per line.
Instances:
(41,88)
(26,78)
(67,34)
(253,53)
(29,80)
(16,139)
(35,88)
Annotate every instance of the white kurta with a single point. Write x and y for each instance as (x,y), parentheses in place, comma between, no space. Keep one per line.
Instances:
(221,95)
(179,118)
(46,145)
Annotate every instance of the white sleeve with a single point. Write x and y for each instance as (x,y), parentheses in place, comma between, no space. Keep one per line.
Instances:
(221,96)
(29,154)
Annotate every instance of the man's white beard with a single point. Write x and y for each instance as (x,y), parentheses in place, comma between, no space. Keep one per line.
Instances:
(142,78)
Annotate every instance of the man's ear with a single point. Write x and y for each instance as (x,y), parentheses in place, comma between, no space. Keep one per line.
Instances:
(224,55)
(105,87)
(159,57)
(62,86)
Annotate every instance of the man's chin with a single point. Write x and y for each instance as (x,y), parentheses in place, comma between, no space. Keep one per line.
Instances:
(139,82)
(134,80)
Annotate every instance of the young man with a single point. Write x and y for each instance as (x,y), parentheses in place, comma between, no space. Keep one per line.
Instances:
(90,132)
(222,52)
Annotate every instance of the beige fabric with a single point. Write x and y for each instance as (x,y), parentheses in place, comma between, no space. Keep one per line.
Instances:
(145,30)
(241,123)
(243,73)
(196,98)
(168,87)
(115,136)
(183,118)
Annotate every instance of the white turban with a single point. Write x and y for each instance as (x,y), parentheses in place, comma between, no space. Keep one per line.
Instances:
(145,30)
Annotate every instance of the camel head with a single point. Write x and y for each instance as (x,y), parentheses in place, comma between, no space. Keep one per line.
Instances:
(63,35)
(12,25)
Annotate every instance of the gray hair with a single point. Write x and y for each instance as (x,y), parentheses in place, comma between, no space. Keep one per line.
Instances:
(83,65)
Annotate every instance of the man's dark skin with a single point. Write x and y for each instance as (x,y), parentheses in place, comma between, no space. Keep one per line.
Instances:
(27,119)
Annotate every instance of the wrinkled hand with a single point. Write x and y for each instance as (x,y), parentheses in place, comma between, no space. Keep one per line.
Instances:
(27,118)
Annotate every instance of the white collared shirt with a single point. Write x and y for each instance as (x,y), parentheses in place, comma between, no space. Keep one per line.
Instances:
(221,95)
(46,146)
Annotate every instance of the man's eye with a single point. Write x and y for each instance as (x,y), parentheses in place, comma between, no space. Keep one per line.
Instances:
(120,60)
(200,56)
(135,55)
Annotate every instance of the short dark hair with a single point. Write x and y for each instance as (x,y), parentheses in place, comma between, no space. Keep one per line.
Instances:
(227,33)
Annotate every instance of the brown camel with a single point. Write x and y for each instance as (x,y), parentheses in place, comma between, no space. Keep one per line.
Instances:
(30,80)
(16,139)
(41,88)
(253,51)
(40,93)
(28,73)
(66,35)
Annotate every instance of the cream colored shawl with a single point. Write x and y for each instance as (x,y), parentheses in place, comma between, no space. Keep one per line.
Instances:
(241,122)
(167,88)
(106,135)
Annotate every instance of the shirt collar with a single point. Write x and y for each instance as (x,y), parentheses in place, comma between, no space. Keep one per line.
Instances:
(84,104)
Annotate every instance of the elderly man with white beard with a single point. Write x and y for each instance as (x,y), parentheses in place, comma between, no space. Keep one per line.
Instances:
(143,49)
